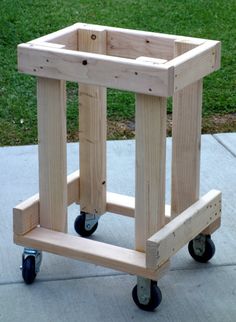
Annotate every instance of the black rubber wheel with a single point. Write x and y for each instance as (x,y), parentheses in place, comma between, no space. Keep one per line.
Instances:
(207,255)
(28,269)
(79,226)
(154,301)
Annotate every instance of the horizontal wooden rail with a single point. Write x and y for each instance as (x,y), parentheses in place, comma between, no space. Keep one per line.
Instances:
(195,64)
(66,36)
(95,69)
(119,258)
(122,42)
(173,236)
(26,214)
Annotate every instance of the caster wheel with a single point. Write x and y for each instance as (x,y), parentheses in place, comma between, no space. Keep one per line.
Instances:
(154,301)
(82,228)
(28,269)
(201,248)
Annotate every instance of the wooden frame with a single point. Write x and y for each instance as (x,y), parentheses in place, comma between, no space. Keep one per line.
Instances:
(154,66)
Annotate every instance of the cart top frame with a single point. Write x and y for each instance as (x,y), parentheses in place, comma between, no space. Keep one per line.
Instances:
(160,71)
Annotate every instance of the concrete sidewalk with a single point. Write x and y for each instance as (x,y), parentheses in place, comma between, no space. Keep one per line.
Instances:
(68,290)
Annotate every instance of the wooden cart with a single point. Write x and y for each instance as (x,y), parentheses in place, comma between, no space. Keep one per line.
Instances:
(154,66)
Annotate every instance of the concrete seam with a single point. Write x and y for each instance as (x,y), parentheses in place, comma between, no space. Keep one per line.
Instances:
(225,146)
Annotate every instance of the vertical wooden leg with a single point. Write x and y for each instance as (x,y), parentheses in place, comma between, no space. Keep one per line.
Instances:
(186,144)
(92,119)
(150,167)
(52,154)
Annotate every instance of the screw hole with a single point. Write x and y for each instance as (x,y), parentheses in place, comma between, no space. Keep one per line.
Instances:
(93,37)
(84,62)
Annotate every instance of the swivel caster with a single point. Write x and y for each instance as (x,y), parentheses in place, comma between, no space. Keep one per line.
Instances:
(86,224)
(146,294)
(31,261)
(202,248)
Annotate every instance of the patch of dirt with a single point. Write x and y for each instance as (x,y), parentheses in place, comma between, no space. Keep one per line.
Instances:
(118,130)
(210,124)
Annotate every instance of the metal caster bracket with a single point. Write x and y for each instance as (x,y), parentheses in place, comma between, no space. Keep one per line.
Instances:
(33,252)
(90,220)
(143,290)
(199,244)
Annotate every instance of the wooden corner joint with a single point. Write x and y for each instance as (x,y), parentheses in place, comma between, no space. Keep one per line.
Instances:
(183,228)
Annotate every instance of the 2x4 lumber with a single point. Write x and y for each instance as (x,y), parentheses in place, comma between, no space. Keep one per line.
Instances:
(186,142)
(194,64)
(150,167)
(134,43)
(66,37)
(167,241)
(51,96)
(26,214)
(120,204)
(98,253)
(96,69)
(92,131)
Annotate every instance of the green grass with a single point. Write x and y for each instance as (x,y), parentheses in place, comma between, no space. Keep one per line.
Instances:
(24,20)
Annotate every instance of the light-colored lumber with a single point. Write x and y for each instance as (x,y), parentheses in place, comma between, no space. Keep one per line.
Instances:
(123,259)
(150,134)
(167,241)
(134,43)
(96,69)
(212,227)
(92,132)
(51,45)
(120,204)
(26,214)
(66,36)
(155,61)
(186,142)
(194,64)
(131,44)
(51,96)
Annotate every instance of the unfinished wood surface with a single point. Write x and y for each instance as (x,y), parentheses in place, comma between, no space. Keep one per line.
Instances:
(123,259)
(92,132)
(66,36)
(192,65)
(26,214)
(134,43)
(150,133)
(96,69)
(52,153)
(167,241)
(120,204)
(186,143)
(212,227)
